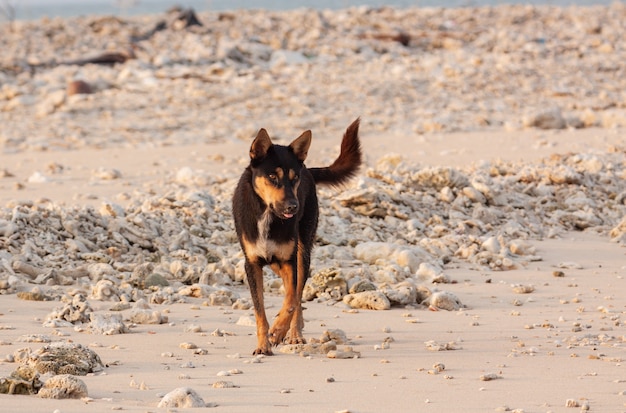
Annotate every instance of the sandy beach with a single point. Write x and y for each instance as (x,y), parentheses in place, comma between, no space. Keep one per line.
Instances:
(489,216)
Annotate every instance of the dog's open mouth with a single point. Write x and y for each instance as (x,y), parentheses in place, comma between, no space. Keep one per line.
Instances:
(281,214)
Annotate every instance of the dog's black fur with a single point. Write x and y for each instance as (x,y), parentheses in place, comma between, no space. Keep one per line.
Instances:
(276,212)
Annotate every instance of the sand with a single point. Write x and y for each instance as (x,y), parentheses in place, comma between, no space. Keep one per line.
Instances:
(557,348)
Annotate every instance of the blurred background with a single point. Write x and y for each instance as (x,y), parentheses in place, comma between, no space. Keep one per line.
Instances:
(35,9)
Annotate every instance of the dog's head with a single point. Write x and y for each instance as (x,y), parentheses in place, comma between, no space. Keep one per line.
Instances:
(276,172)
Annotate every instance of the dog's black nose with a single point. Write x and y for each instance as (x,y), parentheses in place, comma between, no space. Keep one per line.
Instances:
(291,207)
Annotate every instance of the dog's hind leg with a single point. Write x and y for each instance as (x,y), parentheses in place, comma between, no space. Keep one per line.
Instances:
(291,304)
(255,281)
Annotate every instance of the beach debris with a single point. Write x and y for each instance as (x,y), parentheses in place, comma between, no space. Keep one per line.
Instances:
(312,347)
(246,320)
(523,288)
(489,377)
(403,293)
(105,290)
(439,367)
(34,295)
(63,386)
(105,58)
(618,233)
(64,358)
(107,174)
(431,273)
(551,118)
(336,335)
(345,353)
(218,296)
(23,380)
(328,282)
(385,345)
(583,404)
(76,311)
(370,300)
(443,300)
(107,324)
(218,332)
(222,384)
(433,345)
(182,397)
(140,316)
(35,338)
(360,285)
(326,343)
(50,371)
(195,328)
(571,265)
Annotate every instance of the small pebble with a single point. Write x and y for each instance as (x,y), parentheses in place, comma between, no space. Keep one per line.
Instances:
(489,377)
(223,385)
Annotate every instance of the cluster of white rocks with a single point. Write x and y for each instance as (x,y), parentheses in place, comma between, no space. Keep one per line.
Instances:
(409,70)
(51,371)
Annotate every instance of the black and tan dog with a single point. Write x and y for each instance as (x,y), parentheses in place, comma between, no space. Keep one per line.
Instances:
(276,212)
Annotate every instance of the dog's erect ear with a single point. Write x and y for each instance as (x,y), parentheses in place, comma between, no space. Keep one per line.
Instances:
(260,145)
(300,146)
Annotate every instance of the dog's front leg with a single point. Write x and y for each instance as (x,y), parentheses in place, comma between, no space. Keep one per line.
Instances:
(297,322)
(254,273)
(291,304)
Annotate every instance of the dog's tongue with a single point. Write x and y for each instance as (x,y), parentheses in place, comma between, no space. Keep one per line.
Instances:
(288,215)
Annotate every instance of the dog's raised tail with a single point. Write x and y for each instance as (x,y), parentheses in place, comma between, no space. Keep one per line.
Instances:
(347,164)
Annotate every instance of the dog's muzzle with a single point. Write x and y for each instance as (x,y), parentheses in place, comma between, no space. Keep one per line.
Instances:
(287,209)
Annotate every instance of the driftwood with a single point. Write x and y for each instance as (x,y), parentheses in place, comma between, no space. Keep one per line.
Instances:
(178,19)
(403,38)
(106,58)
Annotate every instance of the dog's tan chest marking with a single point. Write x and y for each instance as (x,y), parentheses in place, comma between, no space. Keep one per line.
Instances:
(265,248)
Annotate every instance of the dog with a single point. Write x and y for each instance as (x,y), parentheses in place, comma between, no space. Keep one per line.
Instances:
(275,209)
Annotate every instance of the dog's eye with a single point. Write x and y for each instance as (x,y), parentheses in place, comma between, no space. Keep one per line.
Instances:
(273,177)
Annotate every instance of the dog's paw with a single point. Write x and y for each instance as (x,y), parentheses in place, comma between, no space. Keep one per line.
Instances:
(264,346)
(277,336)
(263,351)
(296,340)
